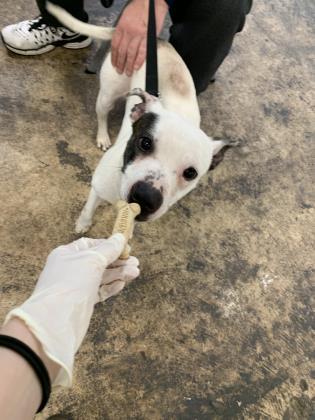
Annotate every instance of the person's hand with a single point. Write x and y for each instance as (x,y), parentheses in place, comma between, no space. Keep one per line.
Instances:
(129,41)
(75,278)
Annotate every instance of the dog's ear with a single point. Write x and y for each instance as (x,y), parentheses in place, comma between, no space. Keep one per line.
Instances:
(148,101)
(219,149)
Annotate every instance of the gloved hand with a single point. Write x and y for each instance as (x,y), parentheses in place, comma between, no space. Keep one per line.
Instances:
(74,279)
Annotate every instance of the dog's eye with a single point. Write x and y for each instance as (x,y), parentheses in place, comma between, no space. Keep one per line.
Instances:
(190,173)
(145,144)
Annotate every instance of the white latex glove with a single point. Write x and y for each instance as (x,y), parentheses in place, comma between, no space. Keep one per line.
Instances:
(74,279)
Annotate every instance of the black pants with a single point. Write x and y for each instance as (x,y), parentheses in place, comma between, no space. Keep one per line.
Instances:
(202,31)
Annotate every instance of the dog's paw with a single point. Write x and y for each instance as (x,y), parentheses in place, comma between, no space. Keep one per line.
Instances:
(103,143)
(82,225)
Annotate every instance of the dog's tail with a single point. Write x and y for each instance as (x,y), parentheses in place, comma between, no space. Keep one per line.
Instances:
(77,25)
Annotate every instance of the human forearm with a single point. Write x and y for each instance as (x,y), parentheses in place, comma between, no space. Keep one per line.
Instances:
(20,390)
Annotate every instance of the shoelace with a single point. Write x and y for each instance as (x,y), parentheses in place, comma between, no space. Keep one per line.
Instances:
(38,23)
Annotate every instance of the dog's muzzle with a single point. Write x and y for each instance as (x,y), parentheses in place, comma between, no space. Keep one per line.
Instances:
(149,198)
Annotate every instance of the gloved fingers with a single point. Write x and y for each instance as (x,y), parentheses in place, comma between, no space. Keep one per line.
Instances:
(108,290)
(125,273)
(109,249)
(88,243)
(83,244)
(129,261)
(80,244)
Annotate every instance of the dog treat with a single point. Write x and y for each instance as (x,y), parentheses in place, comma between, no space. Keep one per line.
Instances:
(124,223)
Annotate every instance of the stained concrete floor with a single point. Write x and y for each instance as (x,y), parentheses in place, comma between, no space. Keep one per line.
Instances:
(220,323)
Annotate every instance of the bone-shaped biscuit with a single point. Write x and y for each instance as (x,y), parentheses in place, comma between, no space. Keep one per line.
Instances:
(124,223)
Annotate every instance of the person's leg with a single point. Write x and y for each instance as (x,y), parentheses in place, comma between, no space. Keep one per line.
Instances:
(75,7)
(203,32)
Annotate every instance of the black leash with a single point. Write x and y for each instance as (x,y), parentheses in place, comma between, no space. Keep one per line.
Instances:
(151,77)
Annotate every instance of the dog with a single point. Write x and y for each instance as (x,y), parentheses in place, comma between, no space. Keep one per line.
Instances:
(160,153)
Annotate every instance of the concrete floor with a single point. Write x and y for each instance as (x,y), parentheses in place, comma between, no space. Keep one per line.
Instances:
(220,323)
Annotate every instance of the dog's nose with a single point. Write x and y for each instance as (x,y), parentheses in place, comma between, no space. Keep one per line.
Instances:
(149,198)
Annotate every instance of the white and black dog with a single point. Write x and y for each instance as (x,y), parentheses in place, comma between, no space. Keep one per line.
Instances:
(160,152)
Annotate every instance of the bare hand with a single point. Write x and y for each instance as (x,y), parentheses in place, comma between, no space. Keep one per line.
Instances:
(129,40)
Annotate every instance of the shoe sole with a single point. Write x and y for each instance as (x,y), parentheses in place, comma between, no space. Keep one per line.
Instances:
(47,48)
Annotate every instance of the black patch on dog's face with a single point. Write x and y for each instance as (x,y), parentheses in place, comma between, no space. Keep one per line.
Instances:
(143,127)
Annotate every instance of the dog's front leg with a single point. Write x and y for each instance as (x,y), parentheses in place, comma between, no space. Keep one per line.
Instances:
(103,106)
(84,221)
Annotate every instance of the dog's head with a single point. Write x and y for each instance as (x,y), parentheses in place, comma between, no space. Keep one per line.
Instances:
(164,158)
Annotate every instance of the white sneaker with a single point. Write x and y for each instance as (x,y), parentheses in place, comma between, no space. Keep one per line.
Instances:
(33,37)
